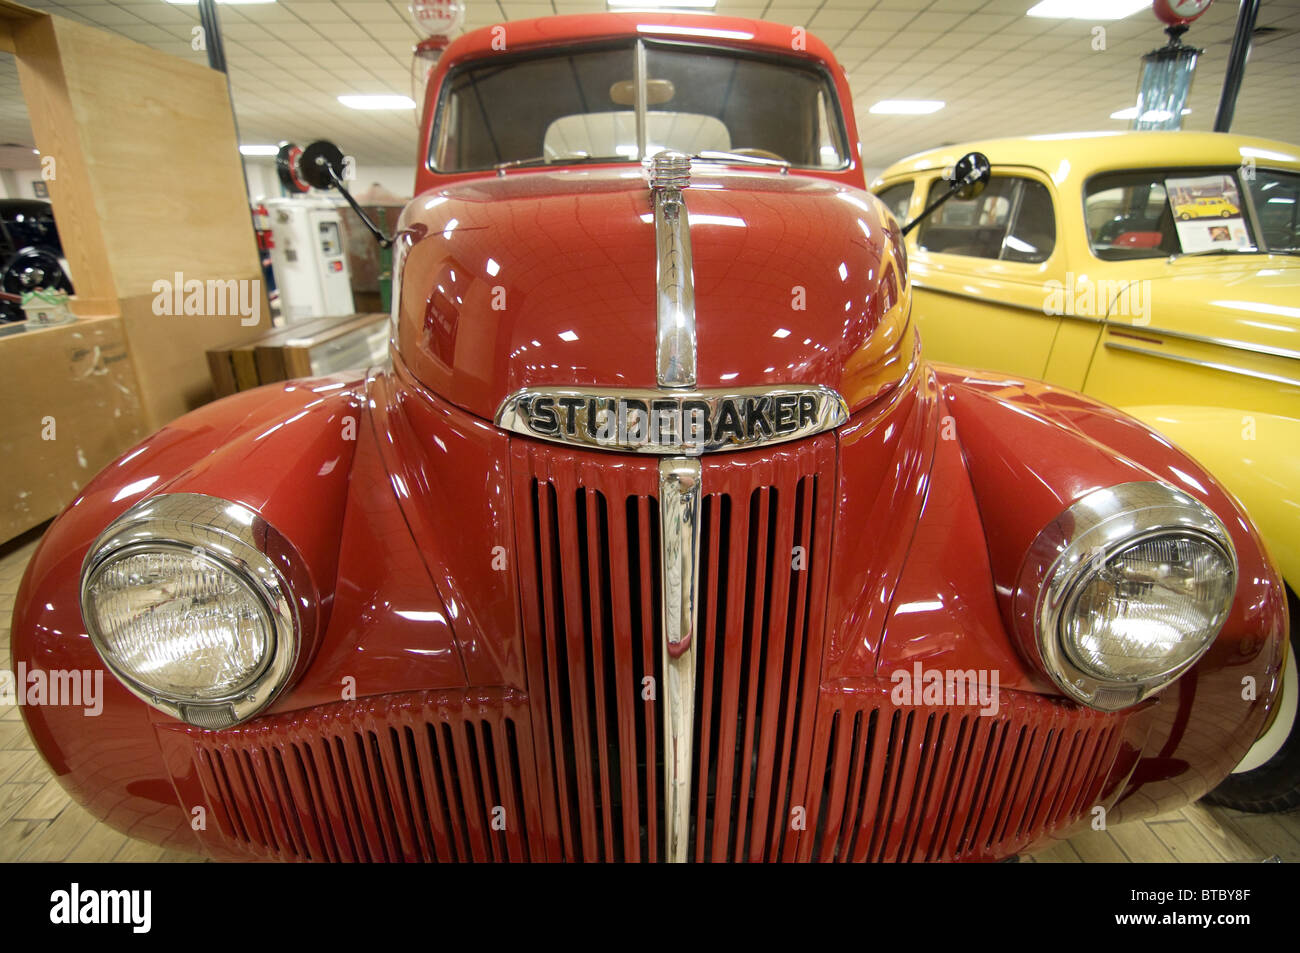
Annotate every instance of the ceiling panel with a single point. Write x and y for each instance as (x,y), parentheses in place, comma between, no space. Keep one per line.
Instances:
(1000,72)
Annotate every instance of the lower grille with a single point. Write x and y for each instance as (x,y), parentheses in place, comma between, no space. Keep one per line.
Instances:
(430,776)
(946,783)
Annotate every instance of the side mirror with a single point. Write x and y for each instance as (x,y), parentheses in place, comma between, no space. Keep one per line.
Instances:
(320,166)
(970,176)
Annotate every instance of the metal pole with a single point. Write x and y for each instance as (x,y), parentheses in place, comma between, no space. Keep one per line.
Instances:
(212,34)
(217,60)
(1246,17)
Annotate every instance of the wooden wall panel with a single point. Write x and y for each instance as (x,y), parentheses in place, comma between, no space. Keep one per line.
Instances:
(149,185)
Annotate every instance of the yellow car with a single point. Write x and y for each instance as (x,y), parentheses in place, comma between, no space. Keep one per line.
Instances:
(1207,207)
(1073,265)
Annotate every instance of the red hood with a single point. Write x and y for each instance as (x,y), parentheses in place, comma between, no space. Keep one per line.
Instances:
(548,279)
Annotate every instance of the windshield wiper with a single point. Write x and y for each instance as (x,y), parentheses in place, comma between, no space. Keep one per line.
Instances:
(550,160)
(710,155)
(1214,251)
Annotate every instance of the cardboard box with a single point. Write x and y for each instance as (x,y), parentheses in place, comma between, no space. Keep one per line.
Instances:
(72,406)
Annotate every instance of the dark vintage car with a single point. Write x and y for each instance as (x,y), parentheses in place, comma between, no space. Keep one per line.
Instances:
(30,254)
(659,538)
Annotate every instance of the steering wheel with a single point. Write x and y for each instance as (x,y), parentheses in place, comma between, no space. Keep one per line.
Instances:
(759,154)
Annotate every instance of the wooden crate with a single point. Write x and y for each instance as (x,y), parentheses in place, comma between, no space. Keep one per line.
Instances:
(305,349)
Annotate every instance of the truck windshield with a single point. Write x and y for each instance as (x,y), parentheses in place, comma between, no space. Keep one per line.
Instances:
(624,102)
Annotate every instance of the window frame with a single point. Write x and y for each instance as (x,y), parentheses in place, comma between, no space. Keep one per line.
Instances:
(638,46)
(1164,171)
(911,197)
(1020,174)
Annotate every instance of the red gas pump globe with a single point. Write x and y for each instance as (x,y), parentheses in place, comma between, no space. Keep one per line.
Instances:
(1179,12)
(438,17)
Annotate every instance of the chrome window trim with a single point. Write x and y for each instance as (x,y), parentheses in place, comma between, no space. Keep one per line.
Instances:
(679,519)
(1196,362)
(1099,525)
(238,539)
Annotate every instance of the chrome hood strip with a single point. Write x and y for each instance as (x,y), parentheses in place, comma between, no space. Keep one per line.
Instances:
(679,519)
(679,493)
(675,297)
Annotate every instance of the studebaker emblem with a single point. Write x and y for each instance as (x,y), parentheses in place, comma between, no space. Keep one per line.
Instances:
(672,422)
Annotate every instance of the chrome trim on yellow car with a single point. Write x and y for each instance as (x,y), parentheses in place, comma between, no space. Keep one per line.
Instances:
(1001,303)
(1227,368)
(1223,342)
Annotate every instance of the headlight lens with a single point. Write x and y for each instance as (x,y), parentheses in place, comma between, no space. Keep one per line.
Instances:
(1131,584)
(186,600)
(179,623)
(1149,609)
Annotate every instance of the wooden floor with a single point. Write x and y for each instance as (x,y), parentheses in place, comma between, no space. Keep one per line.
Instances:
(38,822)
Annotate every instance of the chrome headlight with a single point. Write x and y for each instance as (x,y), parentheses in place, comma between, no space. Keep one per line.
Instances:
(186,607)
(1133,583)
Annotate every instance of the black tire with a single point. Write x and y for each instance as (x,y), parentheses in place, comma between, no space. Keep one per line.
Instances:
(1275,785)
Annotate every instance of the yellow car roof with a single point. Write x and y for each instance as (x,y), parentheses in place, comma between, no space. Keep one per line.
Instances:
(1080,155)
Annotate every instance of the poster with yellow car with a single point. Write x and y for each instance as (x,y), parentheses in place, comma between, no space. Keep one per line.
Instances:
(1207,213)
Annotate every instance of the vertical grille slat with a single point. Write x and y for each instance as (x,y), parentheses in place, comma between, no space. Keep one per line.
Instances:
(730,645)
(577,653)
(626,688)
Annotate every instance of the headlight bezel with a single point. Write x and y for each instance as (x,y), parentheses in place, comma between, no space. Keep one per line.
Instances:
(242,543)
(1062,560)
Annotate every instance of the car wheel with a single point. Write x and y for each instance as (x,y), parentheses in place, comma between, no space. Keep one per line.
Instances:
(1184,216)
(1268,778)
(1225,214)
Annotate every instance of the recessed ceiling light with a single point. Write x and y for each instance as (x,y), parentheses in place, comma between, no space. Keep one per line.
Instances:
(379,101)
(907,107)
(1151,115)
(1087,9)
(259,150)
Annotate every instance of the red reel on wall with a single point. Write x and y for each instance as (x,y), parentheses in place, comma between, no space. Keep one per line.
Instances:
(287,168)
(1179,12)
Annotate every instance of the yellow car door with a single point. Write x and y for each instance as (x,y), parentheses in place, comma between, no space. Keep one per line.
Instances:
(983,271)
